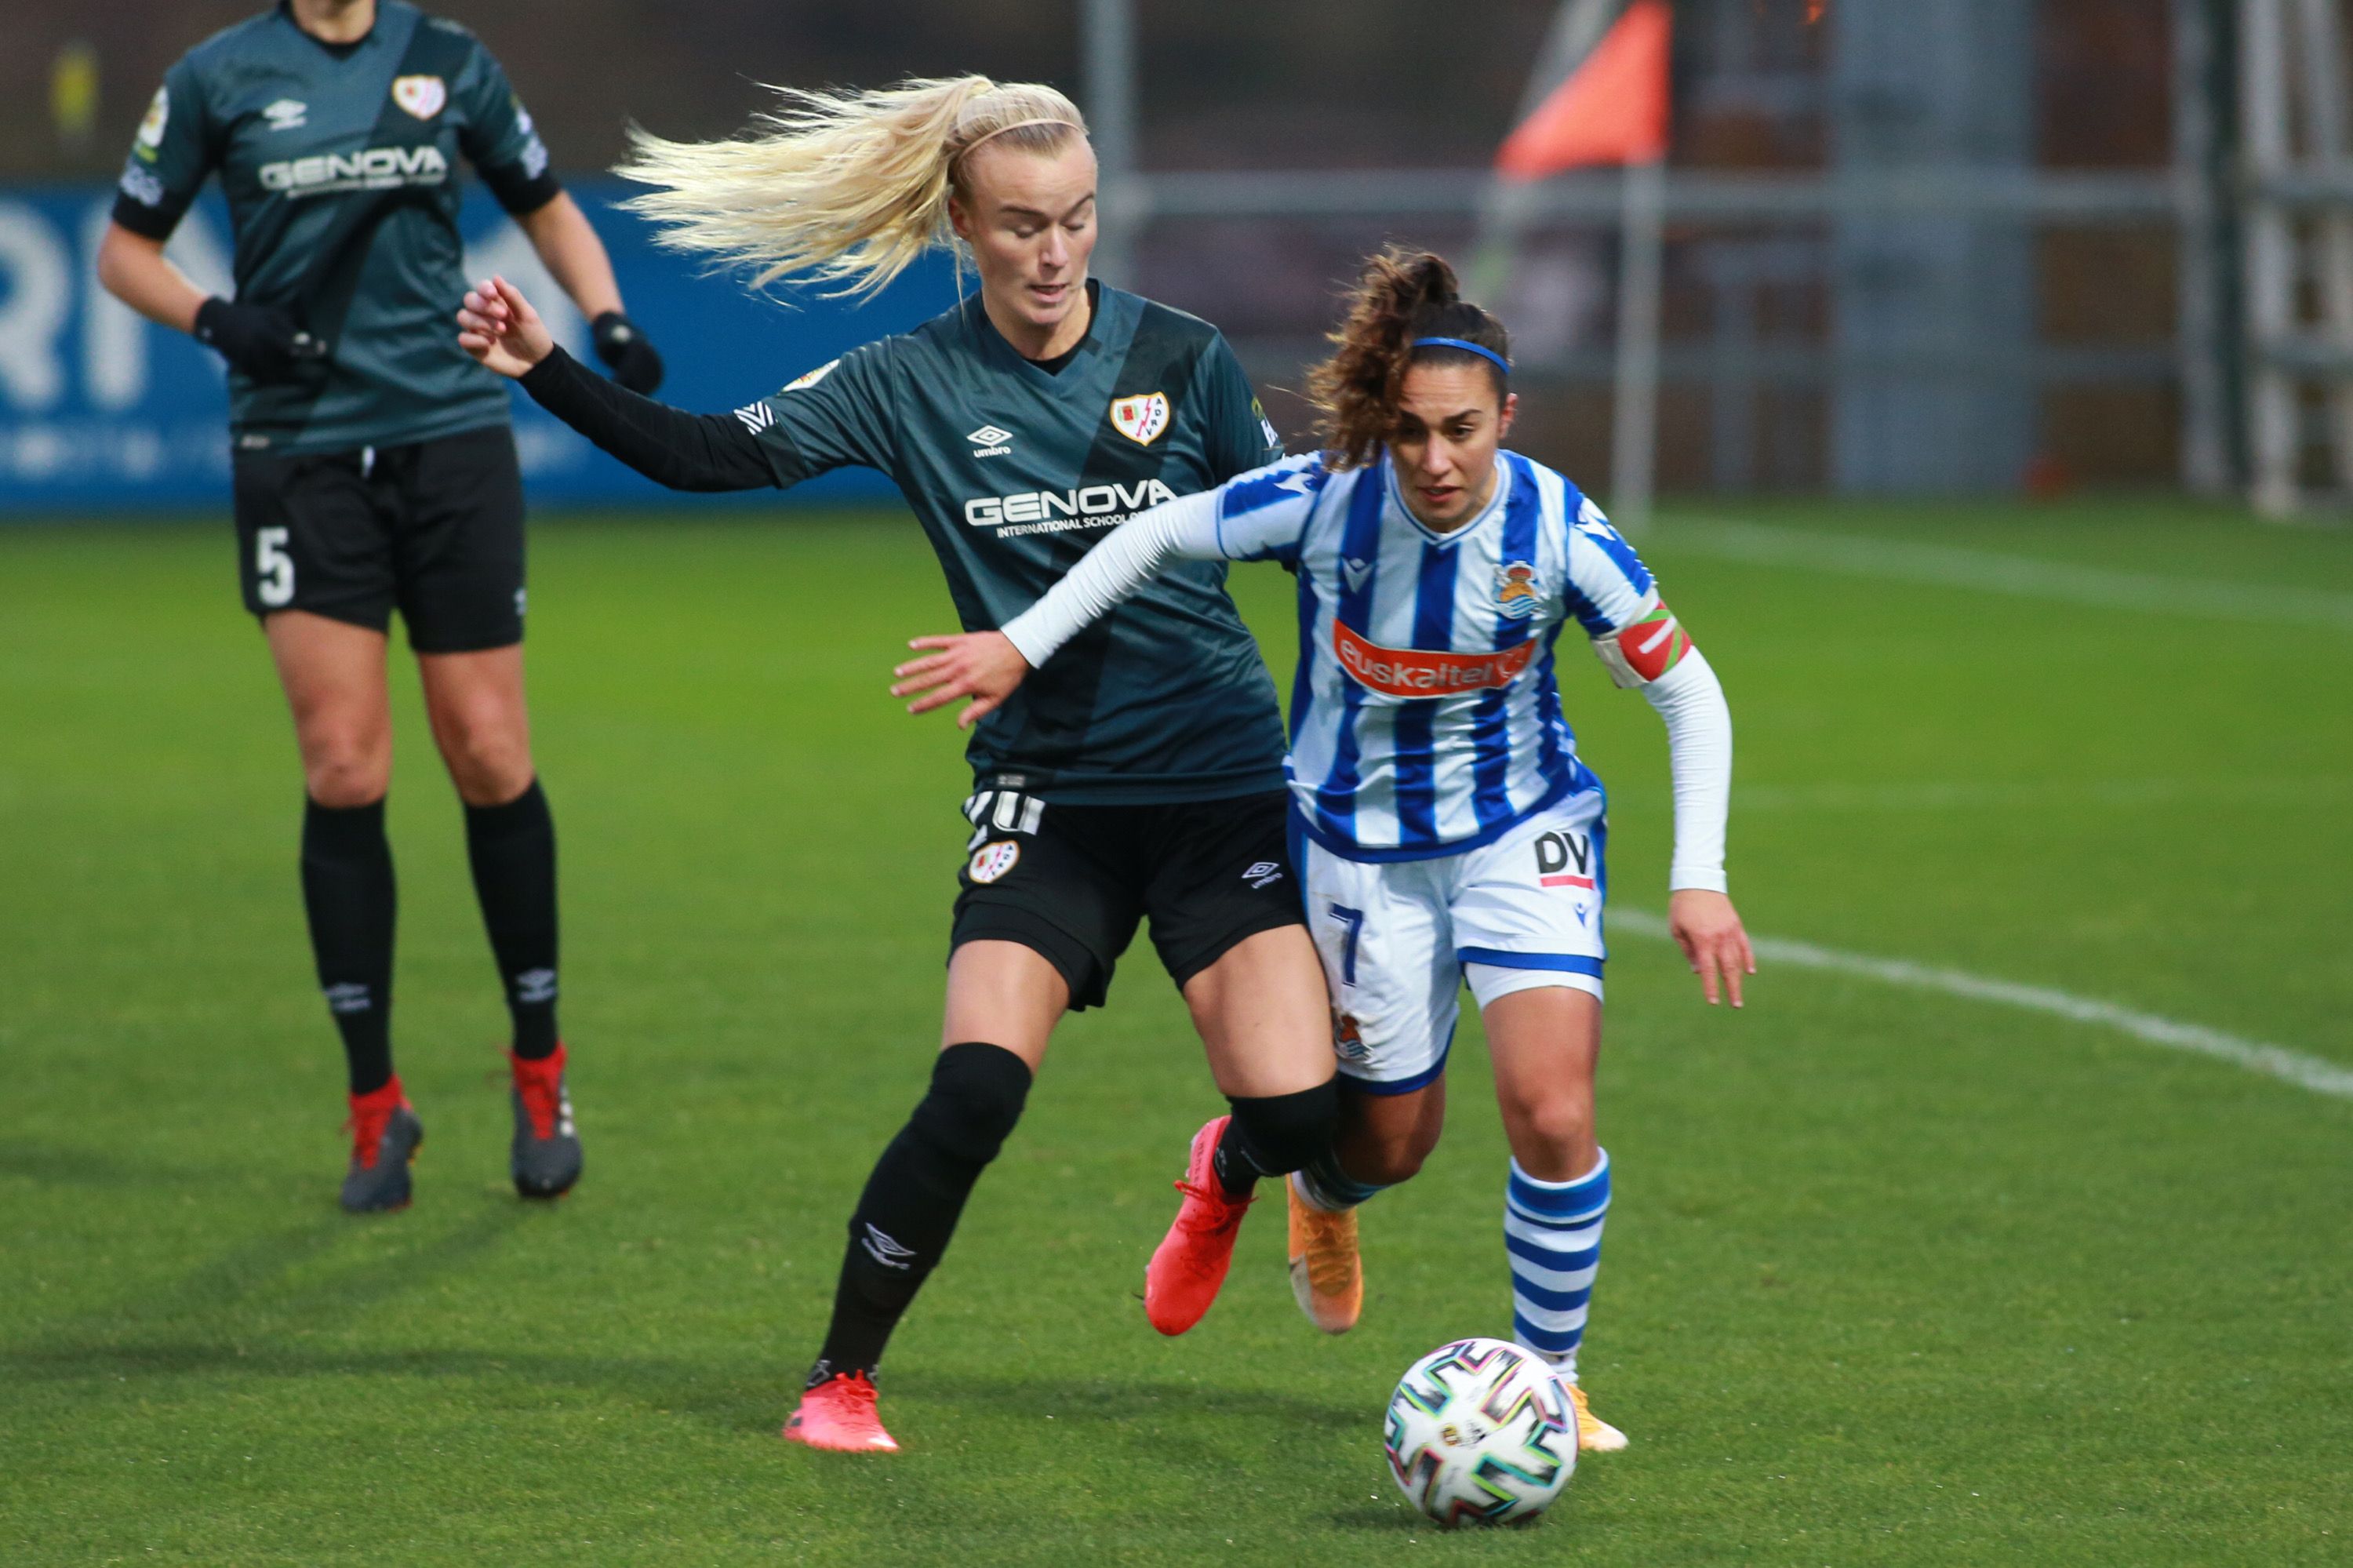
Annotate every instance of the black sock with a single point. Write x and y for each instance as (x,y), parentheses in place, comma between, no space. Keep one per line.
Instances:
(512,848)
(1273,1135)
(347,891)
(913,1200)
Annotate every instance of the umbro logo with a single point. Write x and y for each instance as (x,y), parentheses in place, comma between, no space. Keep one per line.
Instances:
(1263,873)
(990,441)
(286,115)
(885,1251)
(1355,571)
(756,417)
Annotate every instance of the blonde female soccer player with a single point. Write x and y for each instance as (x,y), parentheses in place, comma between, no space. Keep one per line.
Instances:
(1142,778)
(1444,826)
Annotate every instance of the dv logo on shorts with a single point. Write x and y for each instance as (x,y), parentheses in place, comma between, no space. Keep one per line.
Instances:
(1556,852)
(1141,419)
(421,96)
(990,862)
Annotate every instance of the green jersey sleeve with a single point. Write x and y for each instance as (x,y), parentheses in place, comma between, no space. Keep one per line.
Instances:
(836,416)
(498,137)
(1240,436)
(177,147)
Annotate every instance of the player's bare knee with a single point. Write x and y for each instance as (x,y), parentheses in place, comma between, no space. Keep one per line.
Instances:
(1553,1136)
(342,775)
(490,763)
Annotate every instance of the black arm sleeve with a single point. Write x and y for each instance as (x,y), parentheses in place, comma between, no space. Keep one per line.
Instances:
(669,446)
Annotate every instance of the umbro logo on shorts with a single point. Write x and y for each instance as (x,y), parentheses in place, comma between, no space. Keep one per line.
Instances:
(1263,873)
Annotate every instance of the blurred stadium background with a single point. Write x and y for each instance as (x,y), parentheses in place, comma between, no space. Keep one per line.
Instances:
(1911,246)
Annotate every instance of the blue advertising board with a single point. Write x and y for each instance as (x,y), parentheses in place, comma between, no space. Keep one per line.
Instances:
(102,410)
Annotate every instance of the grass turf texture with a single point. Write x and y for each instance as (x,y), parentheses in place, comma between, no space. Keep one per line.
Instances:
(1891,1277)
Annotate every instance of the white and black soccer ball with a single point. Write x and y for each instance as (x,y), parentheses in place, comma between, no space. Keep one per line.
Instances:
(1481,1430)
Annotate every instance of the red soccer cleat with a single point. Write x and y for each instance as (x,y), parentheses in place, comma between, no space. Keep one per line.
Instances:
(386,1135)
(1186,1270)
(839,1414)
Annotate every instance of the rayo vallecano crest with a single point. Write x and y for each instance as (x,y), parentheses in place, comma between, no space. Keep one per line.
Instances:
(421,96)
(1142,418)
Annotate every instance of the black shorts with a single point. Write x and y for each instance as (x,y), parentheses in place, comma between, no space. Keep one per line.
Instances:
(433,529)
(1071,881)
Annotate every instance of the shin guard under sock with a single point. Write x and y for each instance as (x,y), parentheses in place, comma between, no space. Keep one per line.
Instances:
(512,851)
(911,1203)
(349,895)
(1273,1135)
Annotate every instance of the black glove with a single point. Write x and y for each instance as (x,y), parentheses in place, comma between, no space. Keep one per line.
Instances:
(263,341)
(625,353)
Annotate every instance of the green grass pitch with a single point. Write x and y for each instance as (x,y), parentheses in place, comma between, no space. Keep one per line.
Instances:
(1893,1276)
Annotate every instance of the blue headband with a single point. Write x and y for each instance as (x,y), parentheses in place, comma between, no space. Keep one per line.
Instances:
(1463,342)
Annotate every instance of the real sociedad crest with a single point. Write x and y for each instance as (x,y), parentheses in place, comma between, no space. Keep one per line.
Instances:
(1141,418)
(421,96)
(1516,590)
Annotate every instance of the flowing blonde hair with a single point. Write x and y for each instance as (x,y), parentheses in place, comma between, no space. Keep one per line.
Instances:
(847,187)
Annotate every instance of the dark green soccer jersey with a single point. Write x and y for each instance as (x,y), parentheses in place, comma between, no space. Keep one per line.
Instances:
(341,168)
(1015,472)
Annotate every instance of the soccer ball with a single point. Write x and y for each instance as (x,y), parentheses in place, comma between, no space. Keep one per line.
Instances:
(1481,1430)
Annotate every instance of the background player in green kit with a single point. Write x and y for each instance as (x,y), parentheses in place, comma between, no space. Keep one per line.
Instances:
(374,471)
(1141,779)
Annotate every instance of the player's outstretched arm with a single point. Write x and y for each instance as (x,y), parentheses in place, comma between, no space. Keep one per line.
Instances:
(987,666)
(685,451)
(1648,650)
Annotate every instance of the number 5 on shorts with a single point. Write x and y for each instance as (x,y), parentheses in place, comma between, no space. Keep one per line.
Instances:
(273,568)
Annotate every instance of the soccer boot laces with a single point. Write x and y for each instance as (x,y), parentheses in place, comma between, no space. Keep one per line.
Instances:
(545,1157)
(1327,1279)
(839,1414)
(385,1136)
(1190,1263)
(1594,1436)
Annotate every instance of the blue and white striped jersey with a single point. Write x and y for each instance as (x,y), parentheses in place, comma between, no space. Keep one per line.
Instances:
(1426,717)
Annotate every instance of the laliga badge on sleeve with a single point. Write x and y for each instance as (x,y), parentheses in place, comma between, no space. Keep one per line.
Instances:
(1141,418)
(421,96)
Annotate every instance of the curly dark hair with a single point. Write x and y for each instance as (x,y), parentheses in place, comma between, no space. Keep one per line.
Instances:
(1401,295)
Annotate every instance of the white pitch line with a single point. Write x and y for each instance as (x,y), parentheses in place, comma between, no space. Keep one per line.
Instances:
(1948,566)
(2306,1071)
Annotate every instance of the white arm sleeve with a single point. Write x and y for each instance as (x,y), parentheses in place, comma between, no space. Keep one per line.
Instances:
(1129,557)
(1699,748)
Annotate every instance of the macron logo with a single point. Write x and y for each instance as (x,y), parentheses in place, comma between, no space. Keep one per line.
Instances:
(756,417)
(990,441)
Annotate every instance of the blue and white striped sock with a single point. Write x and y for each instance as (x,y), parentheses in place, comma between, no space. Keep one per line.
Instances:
(1552,1232)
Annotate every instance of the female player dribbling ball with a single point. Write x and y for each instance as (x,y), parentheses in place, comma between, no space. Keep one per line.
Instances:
(1446,828)
(374,471)
(1143,776)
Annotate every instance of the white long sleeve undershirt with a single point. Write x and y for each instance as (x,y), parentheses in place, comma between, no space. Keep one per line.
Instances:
(1688,698)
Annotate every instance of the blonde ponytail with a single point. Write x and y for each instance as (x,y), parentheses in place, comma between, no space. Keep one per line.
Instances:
(847,187)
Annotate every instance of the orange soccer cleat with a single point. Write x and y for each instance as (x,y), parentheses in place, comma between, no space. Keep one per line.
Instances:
(839,1414)
(1190,1263)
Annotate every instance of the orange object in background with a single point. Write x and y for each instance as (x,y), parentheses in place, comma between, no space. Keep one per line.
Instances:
(1612,109)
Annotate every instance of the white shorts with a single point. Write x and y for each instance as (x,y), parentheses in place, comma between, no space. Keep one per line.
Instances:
(1398,937)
